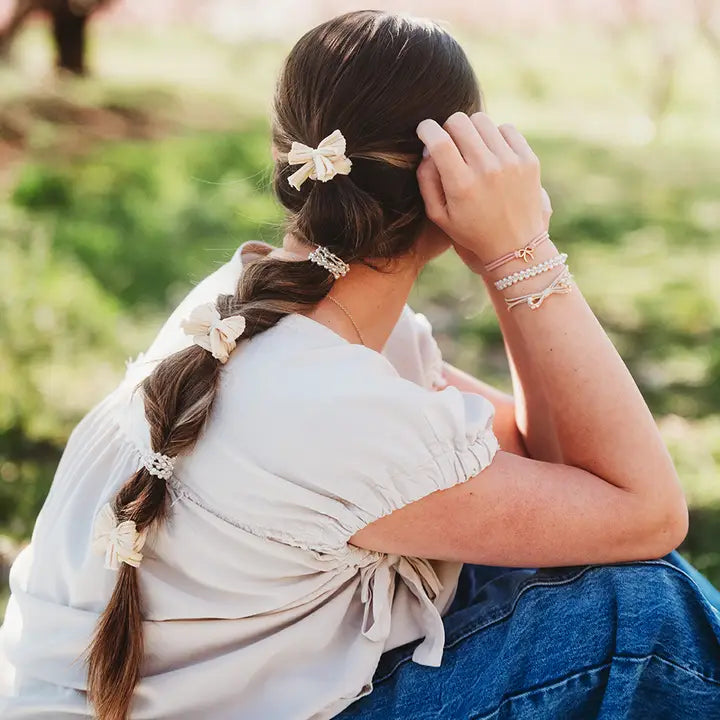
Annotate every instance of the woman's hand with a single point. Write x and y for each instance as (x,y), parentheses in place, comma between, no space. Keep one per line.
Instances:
(481,185)
(471,259)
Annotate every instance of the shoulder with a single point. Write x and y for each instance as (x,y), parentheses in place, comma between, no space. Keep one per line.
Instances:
(340,404)
(297,370)
(413,350)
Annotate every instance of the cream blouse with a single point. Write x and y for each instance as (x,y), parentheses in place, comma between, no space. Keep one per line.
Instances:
(256,606)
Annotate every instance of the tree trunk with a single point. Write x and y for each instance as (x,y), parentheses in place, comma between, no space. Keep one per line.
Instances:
(69,35)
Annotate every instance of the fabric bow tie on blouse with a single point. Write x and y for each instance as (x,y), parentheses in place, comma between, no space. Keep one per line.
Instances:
(320,163)
(377,589)
(211,332)
(120,542)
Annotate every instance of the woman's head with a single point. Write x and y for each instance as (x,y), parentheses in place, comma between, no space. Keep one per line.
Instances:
(374,76)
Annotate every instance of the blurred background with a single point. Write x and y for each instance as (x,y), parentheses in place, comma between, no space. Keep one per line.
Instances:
(134,158)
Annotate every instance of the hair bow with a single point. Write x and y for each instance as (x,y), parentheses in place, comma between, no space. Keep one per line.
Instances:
(213,333)
(320,163)
(119,542)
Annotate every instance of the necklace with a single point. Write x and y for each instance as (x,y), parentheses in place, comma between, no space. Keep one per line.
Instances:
(350,317)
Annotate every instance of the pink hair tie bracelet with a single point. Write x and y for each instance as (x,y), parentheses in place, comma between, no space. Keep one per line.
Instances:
(526,253)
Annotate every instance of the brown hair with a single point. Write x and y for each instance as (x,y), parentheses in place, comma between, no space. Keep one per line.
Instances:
(375,76)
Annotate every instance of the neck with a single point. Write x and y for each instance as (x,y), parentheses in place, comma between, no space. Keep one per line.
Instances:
(374,298)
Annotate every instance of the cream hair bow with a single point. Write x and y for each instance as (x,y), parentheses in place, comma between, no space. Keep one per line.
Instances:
(119,542)
(320,163)
(213,333)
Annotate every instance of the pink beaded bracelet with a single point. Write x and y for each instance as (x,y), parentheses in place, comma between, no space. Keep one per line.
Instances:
(526,253)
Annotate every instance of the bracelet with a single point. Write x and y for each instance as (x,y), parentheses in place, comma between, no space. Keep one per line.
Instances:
(509,280)
(526,253)
(561,284)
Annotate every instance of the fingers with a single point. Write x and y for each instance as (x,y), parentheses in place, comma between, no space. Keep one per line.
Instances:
(492,137)
(431,189)
(460,148)
(481,184)
(515,139)
(454,172)
(470,143)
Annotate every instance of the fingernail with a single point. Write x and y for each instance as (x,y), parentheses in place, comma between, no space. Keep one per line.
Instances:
(426,152)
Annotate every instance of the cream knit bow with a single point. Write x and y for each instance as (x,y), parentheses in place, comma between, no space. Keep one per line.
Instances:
(119,542)
(320,163)
(213,333)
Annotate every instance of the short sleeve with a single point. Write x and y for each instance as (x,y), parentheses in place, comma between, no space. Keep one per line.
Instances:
(363,447)
(414,352)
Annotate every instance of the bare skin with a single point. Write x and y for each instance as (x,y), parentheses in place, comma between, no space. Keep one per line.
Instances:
(583,475)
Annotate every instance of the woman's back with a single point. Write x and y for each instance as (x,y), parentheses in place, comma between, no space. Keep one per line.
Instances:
(250,585)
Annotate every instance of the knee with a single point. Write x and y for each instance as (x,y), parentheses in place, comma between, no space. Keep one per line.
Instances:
(647,586)
(647,607)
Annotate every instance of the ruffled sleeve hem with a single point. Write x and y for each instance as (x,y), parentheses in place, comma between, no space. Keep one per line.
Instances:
(448,467)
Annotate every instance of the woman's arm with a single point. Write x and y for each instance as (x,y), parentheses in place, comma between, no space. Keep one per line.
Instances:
(523,423)
(487,193)
(617,495)
(524,418)
(532,409)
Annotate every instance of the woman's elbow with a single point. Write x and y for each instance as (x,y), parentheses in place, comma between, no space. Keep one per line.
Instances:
(670,523)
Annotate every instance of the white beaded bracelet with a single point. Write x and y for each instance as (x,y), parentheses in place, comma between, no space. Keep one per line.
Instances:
(516,277)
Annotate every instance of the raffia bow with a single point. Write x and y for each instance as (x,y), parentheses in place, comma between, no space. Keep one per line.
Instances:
(320,163)
(119,542)
(215,334)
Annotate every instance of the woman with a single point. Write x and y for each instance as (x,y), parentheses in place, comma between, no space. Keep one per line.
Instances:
(290,497)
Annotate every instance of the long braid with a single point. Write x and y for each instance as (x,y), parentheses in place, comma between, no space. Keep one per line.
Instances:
(178,397)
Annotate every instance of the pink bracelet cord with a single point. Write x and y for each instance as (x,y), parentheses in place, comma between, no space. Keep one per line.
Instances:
(525,253)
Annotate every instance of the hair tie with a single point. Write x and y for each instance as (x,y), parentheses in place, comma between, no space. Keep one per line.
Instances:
(321,163)
(160,465)
(120,542)
(335,265)
(213,333)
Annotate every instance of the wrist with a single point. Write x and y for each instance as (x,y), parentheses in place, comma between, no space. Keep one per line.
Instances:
(504,249)
(544,252)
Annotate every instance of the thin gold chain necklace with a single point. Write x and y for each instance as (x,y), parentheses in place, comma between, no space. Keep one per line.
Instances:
(350,317)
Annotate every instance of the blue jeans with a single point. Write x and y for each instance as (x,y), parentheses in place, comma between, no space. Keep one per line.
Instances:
(624,641)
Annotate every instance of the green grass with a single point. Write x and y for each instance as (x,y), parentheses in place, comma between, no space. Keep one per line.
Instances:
(102,236)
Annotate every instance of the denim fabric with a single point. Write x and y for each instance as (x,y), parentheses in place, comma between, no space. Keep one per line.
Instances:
(621,641)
